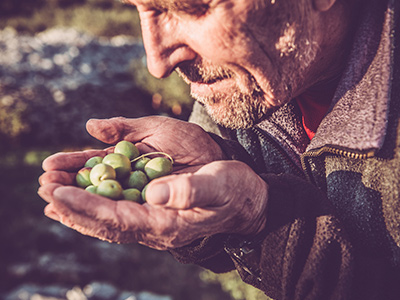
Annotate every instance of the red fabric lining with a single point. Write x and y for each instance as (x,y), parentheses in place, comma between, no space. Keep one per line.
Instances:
(313,112)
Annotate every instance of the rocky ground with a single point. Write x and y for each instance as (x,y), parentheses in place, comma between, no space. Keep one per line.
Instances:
(50,84)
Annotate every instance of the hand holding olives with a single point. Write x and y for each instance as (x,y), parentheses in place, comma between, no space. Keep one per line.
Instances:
(205,196)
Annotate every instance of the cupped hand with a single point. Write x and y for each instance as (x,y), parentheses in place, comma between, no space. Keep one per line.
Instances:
(220,197)
(187,143)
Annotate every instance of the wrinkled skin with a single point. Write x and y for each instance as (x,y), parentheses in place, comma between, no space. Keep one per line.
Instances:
(179,208)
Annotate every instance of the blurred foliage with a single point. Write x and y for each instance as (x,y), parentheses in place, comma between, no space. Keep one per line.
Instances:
(40,120)
(97,17)
(233,284)
(170,95)
(11,118)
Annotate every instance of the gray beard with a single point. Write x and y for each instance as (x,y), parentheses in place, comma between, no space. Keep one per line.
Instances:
(234,110)
(237,111)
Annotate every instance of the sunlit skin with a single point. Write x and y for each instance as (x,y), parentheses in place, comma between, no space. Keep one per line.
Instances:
(241,58)
(269,52)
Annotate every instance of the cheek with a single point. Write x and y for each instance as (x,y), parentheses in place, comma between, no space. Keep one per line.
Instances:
(219,40)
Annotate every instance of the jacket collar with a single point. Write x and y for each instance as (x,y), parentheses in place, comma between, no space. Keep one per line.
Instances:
(358,115)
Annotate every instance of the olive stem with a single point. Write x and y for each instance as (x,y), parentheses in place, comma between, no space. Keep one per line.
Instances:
(153,153)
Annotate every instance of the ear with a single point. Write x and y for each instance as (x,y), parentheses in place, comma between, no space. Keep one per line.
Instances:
(323,5)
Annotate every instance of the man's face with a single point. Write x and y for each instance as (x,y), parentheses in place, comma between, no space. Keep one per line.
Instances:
(240,57)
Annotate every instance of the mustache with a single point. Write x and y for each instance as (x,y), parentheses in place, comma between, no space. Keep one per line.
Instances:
(198,72)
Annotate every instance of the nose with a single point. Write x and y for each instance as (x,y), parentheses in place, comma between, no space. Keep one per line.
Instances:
(165,45)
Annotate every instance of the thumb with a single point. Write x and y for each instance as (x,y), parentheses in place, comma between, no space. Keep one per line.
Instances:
(185,191)
(182,191)
(108,131)
(113,130)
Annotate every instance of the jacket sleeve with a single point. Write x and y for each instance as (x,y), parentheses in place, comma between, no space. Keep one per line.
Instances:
(302,253)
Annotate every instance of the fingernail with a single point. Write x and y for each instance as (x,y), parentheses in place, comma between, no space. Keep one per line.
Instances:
(42,192)
(158,194)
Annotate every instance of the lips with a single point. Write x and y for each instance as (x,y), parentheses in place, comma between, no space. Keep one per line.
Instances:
(214,79)
(198,73)
(206,80)
(201,90)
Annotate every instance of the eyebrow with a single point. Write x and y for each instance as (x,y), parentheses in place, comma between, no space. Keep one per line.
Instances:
(186,6)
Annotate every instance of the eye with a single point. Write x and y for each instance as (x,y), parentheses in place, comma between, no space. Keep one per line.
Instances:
(151,11)
(195,10)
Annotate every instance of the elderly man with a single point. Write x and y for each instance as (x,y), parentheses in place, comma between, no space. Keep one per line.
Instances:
(298,186)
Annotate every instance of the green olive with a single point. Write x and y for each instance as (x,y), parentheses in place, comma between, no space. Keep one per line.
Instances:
(91,189)
(144,193)
(83,177)
(101,172)
(120,163)
(137,179)
(127,148)
(91,162)
(132,195)
(158,167)
(110,188)
(140,163)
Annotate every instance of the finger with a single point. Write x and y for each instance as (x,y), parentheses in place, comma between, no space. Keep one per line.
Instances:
(116,129)
(213,185)
(51,213)
(181,169)
(70,161)
(61,177)
(144,148)
(90,214)
(46,191)
(183,191)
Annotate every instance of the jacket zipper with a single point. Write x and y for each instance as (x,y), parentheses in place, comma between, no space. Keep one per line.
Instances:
(304,170)
(332,150)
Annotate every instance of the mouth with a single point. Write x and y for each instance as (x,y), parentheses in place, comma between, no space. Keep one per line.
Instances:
(213,79)
(211,90)
(207,82)
(199,74)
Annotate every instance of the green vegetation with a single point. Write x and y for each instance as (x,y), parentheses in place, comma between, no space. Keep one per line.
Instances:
(97,17)
(12,122)
(232,284)
(173,101)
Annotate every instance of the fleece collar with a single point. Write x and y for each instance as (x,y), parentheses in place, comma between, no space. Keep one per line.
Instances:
(358,115)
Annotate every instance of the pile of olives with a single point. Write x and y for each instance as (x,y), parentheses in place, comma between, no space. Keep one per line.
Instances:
(124,174)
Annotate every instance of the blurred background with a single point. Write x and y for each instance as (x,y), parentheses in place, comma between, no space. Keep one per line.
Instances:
(63,62)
